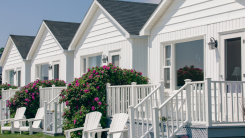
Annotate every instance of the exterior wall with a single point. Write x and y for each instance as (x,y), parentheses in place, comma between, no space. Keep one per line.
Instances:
(186,19)
(48,52)
(140,54)
(14,61)
(69,66)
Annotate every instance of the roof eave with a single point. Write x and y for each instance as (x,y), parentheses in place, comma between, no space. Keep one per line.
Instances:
(160,10)
(6,50)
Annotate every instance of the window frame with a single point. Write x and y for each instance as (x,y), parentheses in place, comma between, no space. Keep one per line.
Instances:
(55,63)
(173,76)
(17,76)
(114,53)
(82,70)
(38,74)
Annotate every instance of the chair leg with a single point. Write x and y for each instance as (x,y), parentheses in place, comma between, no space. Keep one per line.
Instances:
(30,130)
(125,134)
(91,135)
(99,135)
(109,135)
(12,127)
(21,132)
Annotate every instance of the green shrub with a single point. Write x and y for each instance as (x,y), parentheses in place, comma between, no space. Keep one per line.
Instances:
(195,74)
(6,86)
(28,97)
(88,93)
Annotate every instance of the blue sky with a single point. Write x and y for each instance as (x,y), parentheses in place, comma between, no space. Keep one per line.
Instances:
(24,17)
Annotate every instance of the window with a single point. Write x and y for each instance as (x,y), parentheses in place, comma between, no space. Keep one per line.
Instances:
(167,66)
(115,60)
(19,78)
(11,77)
(89,62)
(183,60)
(42,72)
(56,71)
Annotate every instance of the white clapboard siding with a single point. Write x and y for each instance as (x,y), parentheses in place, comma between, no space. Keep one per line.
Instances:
(210,26)
(47,46)
(13,56)
(101,30)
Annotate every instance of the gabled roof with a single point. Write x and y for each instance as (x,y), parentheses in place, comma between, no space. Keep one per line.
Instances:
(130,15)
(127,16)
(160,10)
(63,31)
(23,44)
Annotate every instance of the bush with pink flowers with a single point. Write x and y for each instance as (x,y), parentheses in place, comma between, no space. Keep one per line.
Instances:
(88,93)
(6,86)
(28,97)
(195,74)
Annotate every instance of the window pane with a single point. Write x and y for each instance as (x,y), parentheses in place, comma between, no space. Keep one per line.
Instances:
(37,73)
(233,59)
(168,56)
(56,71)
(95,61)
(115,60)
(44,72)
(189,61)
(167,77)
(84,65)
(19,78)
(11,77)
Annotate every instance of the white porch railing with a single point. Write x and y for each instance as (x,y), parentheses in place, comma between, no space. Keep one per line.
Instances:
(53,112)
(49,93)
(120,97)
(6,95)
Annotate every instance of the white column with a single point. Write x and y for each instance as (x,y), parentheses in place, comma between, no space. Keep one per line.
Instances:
(208,102)
(188,100)
(132,122)
(156,122)
(133,94)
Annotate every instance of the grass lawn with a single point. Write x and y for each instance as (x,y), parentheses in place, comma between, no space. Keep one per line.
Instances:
(26,135)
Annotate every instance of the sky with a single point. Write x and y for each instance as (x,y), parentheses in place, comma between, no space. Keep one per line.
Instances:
(24,17)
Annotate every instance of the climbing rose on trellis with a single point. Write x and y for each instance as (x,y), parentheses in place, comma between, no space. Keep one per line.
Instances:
(29,95)
(88,93)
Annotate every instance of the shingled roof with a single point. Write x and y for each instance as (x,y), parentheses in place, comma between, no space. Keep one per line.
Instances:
(62,31)
(130,15)
(23,44)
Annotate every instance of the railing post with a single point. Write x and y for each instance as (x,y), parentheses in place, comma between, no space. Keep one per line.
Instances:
(2,94)
(156,122)
(41,94)
(162,96)
(208,102)
(188,100)
(132,122)
(108,98)
(6,109)
(53,91)
(133,94)
(45,116)
(55,118)
(1,109)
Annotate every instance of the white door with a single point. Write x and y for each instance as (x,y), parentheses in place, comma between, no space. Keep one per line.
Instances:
(231,71)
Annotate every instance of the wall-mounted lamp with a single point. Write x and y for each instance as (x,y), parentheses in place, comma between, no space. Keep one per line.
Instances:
(213,43)
(105,58)
(14,72)
(49,67)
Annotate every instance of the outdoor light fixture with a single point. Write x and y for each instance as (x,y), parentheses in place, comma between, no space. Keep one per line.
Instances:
(212,44)
(14,72)
(49,67)
(105,58)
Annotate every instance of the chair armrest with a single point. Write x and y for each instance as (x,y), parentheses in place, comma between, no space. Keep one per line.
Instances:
(30,120)
(75,129)
(7,119)
(124,130)
(98,130)
(23,119)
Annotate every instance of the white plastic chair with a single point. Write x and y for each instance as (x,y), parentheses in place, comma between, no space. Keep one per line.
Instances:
(15,123)
(92,121)
(117,127)
(35,127)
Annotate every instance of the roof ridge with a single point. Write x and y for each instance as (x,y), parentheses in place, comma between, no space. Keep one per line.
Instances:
(59,21)
(22,35)
(130,2)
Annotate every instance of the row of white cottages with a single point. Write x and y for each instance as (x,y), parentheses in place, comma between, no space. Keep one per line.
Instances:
(156,39)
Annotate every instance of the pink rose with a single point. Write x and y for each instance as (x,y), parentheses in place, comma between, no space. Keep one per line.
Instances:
(99,103)
(94,71)
(93,108)
(98,87)
(88,70)
(86,91)
(75,121)
(26,91)
(96,99)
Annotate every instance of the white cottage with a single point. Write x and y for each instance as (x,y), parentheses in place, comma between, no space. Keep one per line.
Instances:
(179,32)
(15,67)
(110,31)
(49,55)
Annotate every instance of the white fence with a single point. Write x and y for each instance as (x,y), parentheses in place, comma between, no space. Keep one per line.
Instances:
(6,95)
(120,97)
(49,93)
